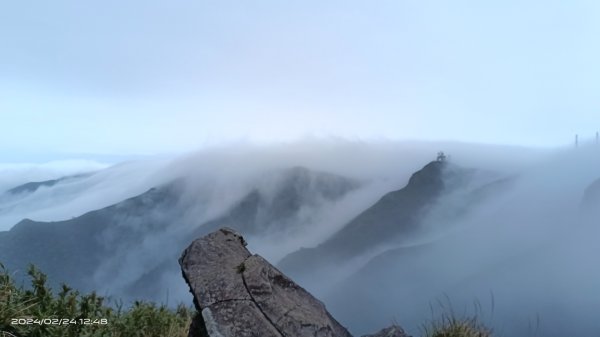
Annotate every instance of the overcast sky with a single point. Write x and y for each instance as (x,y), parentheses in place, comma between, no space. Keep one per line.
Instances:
(143,77)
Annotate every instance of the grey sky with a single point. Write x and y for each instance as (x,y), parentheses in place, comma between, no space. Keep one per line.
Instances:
(144,77)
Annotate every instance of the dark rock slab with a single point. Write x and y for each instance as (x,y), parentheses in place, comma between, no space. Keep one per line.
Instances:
(237,318)
(211,266)
(293,310)
(240,294)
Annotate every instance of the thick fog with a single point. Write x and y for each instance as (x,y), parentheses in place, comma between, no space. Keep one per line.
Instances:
(13,174)
(216,179)
(225,169)
(525,250)
(88,186)
(524,258)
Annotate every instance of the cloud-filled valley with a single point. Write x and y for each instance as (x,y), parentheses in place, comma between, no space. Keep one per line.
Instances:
(378,230)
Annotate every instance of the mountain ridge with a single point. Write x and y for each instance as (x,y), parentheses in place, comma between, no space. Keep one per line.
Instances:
(394,214)
(74,250)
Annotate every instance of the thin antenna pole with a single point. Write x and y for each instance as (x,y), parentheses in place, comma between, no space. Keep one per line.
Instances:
(576,140)
(596,137)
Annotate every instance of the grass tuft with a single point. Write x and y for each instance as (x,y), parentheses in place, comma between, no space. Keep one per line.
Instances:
(449,324)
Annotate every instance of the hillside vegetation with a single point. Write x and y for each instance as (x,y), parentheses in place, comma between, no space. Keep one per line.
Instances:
(38,311)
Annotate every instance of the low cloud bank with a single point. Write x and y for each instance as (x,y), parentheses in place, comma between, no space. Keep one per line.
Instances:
(525,253)
(506,245)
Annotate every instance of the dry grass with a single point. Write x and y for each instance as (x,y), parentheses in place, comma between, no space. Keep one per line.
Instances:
(449,324)
(457,327)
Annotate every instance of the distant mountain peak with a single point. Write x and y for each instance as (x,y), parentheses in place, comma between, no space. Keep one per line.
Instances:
(396,214)
(33,186)
(431,173)
(86,251)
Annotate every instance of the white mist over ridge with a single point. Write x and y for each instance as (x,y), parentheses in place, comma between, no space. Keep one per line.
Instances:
(13,174)
(528,253)
(99,186)
(217,179)
(228,168)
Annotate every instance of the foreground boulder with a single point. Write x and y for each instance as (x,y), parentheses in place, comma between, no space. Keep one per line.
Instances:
(243,295)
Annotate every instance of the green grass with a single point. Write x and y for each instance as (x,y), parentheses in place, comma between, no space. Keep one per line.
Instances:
(142,319)
(40,304)
(448,324)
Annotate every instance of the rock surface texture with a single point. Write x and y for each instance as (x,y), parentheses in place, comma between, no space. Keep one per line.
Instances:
(243,295)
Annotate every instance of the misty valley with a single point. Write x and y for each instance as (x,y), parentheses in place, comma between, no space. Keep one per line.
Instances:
(380,233)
